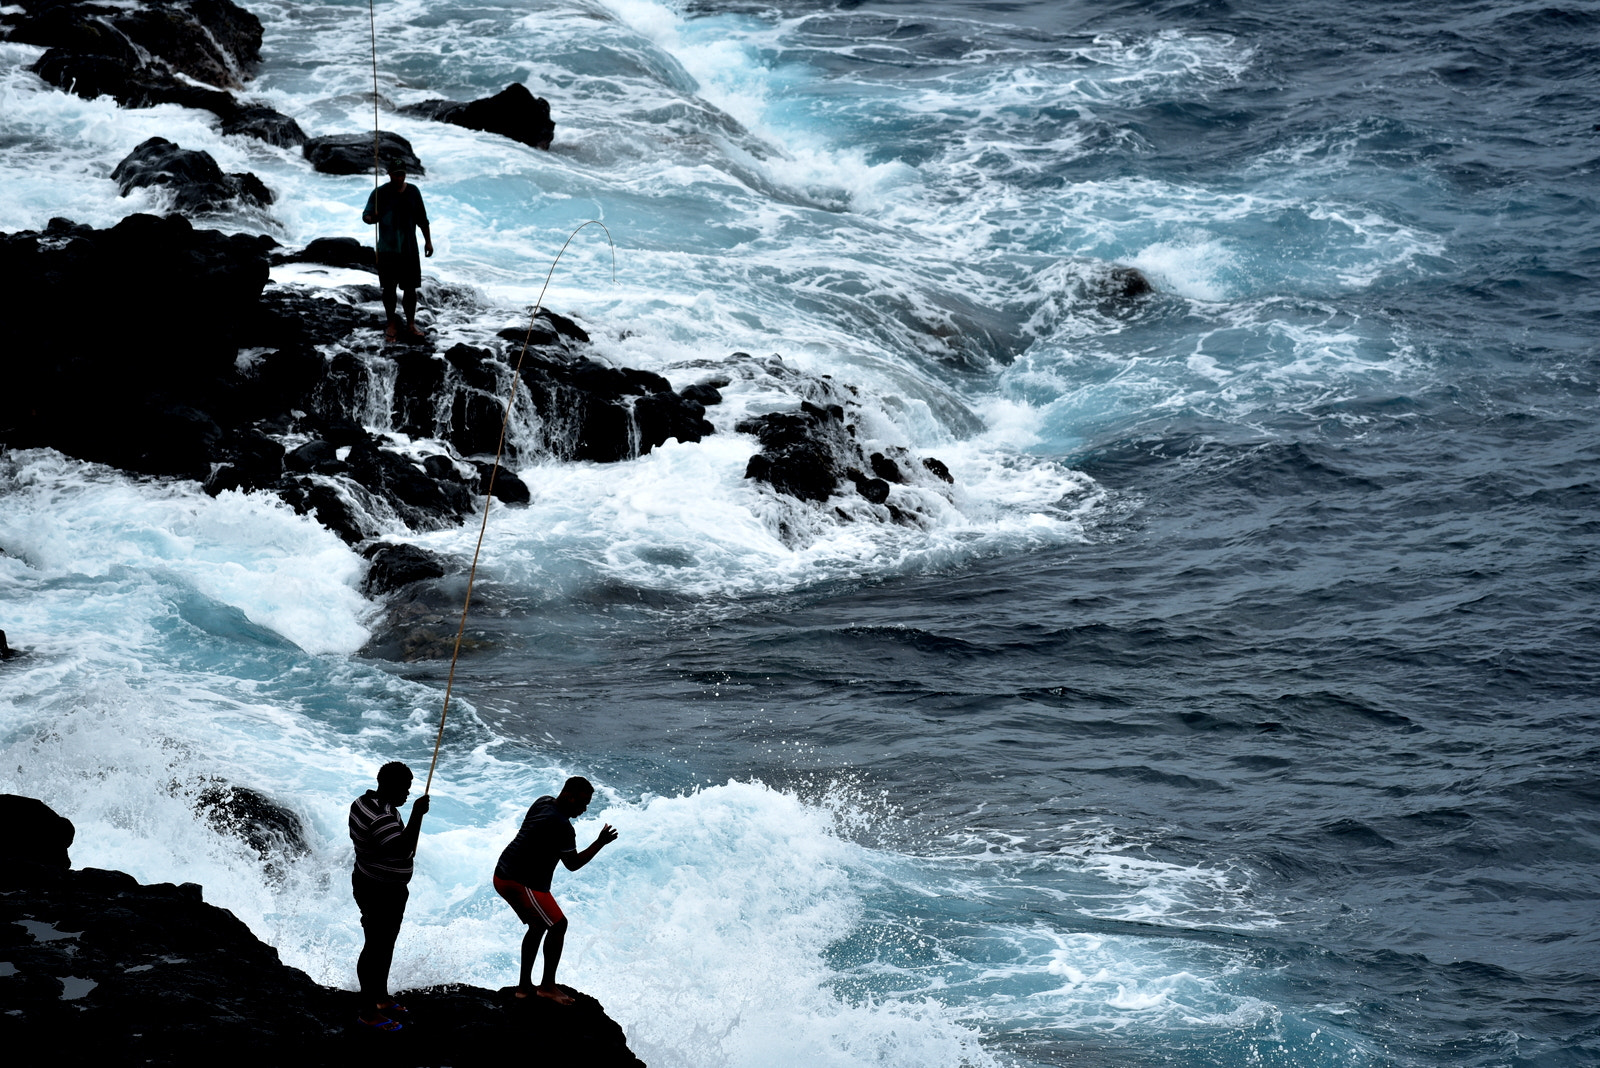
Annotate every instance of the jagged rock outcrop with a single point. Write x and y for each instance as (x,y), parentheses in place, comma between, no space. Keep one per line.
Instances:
(147,52)
(271,829)
(158,312)
(247,387)
(196,183)
(352,153)
(103,969)
(815,452)
(513,112)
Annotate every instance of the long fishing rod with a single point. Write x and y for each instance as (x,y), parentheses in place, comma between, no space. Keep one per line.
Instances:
(488,493)
(372,27)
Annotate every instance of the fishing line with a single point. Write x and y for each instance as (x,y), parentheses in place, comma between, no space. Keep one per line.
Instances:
(372,28)
(488,493)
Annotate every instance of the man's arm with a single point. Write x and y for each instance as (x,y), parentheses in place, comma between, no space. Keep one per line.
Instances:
(574,861)
(419,808)
(422,224)
(369,214)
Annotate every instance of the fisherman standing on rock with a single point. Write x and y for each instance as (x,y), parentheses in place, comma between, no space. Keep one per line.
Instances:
(398,211)
(384,847)
(523,878)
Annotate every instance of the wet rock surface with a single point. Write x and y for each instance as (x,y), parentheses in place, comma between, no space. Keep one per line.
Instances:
(193,53)
(352,153)
(513,112)
(193,178)
(394,566)
(249,387)
(101,968)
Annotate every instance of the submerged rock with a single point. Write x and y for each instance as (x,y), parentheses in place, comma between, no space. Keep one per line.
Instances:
(196,182)
(267,827)
(352,153)
(513,112)
(264,124)
(394,566)
(815,453)
(335,252)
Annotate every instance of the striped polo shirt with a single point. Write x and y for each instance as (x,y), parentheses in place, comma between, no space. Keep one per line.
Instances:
(379,838)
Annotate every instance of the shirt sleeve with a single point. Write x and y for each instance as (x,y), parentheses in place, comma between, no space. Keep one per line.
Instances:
(416,203)
(372,204)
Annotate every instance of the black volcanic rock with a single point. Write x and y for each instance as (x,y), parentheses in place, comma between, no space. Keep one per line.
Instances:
(702,393)
(158,311)
(336,252)
(265,124)
(196,182)
(185,52)
(35,834)
(506,486)
(664,415)
(801,452)
(1123,283)
(545,323)
(814,453)
(394,566)
(271,829)
(352,153)
(106,970)
(937,468)
(95,74)
(514,112)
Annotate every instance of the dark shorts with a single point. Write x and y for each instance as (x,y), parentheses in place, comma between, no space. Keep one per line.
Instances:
(403,269)
(382,905)
(531,906)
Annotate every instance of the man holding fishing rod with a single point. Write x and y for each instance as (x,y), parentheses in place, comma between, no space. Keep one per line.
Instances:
(384,852)
(398,211)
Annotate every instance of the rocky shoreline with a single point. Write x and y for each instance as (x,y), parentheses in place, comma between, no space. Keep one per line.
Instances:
(164,349)
(95,966)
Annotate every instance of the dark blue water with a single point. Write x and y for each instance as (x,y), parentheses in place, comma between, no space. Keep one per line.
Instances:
(1239,708)
(1343,645)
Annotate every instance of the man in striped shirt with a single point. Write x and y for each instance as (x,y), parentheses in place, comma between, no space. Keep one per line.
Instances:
(384,848)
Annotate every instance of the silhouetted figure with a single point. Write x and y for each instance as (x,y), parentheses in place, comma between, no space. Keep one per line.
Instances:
(5,650)
(384,848)
(398,211)
(523,878)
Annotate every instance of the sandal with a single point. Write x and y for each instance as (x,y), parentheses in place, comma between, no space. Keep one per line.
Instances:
(380,1023)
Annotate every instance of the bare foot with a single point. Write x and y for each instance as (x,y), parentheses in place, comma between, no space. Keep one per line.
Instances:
(555,994)
(411,329)
(389,332)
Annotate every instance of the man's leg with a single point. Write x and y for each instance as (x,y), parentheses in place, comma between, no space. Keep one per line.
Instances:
(530,950)
(411,311)
(389,288)
(372,967)
(382,911)
(553,943)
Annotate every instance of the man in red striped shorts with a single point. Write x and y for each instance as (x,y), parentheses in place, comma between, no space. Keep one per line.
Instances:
(523,878)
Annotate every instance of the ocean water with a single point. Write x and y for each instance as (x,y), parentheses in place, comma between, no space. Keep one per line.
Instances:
(1236,706)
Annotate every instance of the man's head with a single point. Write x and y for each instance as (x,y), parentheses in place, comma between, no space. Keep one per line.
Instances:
(397,172)
(394,782)
(576,793)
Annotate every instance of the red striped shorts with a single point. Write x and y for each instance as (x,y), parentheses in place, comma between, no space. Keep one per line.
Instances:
(531,906)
